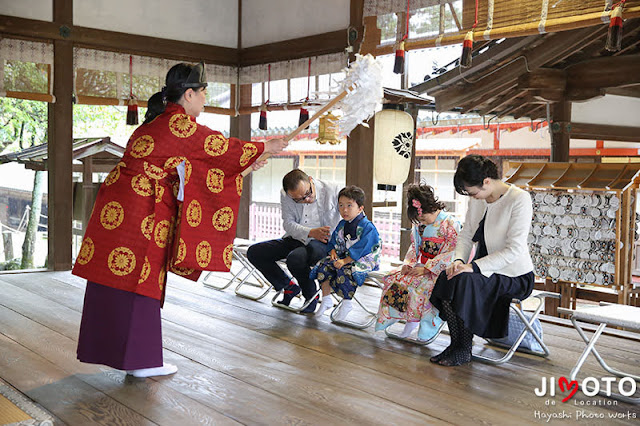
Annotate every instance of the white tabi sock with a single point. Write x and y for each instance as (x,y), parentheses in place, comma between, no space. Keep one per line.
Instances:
(165,370)
(408,329)
(327,303)
(343,311)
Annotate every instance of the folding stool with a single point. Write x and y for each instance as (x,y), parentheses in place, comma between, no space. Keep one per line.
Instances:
(605,314)
(516,306)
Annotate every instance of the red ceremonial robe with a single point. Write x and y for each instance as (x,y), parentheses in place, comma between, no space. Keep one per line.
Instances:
(138,230)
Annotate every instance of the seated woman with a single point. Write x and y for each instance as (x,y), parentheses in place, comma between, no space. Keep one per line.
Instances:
(474,297)
(354,252)
(406,292)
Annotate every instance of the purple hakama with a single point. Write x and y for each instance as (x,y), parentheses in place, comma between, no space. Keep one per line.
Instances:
(120,329)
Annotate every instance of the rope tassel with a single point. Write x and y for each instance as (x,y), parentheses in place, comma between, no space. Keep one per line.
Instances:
(398,66)
(132,104)
(262,125)
(467,44)
(614,36)
(467,49)
(304,114)
(132,111)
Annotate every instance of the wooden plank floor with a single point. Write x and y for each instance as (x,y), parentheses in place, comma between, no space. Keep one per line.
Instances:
(245,362)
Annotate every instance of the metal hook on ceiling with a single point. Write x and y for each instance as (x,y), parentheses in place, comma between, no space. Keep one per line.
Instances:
(435,123)
(488,124)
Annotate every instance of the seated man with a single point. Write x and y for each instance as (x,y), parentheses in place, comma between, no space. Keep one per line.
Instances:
(309,214)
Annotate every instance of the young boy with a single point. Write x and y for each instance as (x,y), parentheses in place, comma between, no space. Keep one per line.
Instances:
(354,252)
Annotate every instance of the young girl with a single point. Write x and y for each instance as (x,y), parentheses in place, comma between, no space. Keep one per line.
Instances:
(354,251)
(406,291)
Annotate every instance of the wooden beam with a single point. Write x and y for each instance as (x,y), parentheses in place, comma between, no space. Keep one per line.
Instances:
(241,128)
(550,48)
(633,91)
(497,106)
(579,94)
(360,162)
(87,191)
(320,44)
(605,132)
(455,15)
(405,223)
(60,146)
(543,78)
(492,57)
(119,42)
(612,71)
(560,131)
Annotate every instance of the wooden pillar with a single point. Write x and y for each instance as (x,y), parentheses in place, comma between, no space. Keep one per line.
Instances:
(87,191)
(360,162)
(405,223)
(60,144)
(560,131)
(241,129)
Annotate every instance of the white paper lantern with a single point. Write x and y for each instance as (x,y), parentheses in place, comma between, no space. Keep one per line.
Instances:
(393,141)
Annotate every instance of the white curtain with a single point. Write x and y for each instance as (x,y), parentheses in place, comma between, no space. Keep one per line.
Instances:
(320,65)
(383,7)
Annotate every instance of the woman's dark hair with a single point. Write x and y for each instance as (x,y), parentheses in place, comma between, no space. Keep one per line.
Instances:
(171,92)
(354,193)
(291,180)
(424,194)
(472,170)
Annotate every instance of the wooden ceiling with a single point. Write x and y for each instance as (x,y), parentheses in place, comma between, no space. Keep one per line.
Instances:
(518,77)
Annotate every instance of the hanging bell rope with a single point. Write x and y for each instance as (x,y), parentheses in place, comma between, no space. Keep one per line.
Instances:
(262,124)
(304,112)
(467,44)
(132,104)
(614,35)
(360,92)
(398,65)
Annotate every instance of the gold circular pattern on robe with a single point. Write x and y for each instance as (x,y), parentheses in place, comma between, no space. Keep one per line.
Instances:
(194,213)
(249,151)
(239,183)
(121,261)
(215,180)
(142,146)
(146,269)
(187,171)
(223,219)
(111,215)
(142,185)
(173,162)
(181,270)
(147,225)
(182,126)
(216,145)
(227,255)
(175,187)
(162,278)
(86,251)
(161,233)
(182,251)
(153,171)
(159,192)
(114,175)
(203,254)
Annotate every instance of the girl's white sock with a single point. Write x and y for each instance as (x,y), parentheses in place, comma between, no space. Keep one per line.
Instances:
(408,329)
